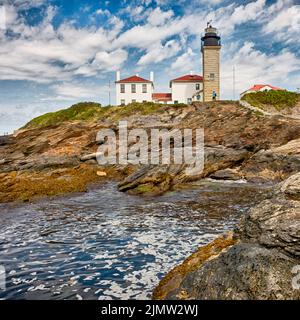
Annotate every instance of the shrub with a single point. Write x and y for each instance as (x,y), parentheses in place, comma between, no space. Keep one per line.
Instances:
(278,99)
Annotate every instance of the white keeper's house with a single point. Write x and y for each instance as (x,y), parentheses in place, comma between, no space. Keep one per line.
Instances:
(185,89)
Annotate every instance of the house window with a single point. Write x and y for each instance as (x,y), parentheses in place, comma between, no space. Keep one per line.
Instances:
(123,102)
(197,86)
(176,102)
(212,76)
(189,100)
(133,88)
(144,101)
(133,101)
(122,88)
(144,88)
(198,97)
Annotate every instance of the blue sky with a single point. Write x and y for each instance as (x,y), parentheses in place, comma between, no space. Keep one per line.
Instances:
(54,53)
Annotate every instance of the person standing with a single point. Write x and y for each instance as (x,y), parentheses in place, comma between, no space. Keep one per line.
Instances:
(214,95)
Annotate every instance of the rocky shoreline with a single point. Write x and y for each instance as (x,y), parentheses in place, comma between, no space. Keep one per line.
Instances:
(256,262)
(253,262)
(239,144)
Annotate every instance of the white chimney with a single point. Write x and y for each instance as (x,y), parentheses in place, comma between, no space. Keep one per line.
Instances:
(152,76)
(118,76)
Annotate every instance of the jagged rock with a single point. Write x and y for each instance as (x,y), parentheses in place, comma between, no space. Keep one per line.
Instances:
(260,264)
(152,180)
(244,272)
(291,187)
(274,164)
(156,179)
(273,223)
(89,156)
(226,174)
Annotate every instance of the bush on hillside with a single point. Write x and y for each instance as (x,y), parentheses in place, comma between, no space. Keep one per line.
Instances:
(278,99)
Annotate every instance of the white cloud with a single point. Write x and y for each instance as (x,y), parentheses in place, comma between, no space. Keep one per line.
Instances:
(41,53)
(110,60)
(285,24)
(253,66)
(159,53)
(248,12)
(185,62)
(26,4)
(158,17)
(71,91)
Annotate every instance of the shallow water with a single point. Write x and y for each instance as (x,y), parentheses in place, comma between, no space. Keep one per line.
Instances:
(104,244)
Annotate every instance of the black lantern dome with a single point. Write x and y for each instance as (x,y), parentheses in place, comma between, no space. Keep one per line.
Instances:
(211,37)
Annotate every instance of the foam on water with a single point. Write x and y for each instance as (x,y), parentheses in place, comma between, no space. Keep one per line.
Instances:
(108,245)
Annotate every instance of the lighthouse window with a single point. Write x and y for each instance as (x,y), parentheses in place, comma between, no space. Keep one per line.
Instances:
(212,76)
(198,97)
(197,86)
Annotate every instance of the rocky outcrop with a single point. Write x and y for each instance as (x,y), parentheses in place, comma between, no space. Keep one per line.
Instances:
(291,187)
(261,262)
(158,179)
(227,174)
(274,164)
(241,142)
(169,287)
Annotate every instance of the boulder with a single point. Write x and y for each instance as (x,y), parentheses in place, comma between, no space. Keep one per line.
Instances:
(291,187)
(261,264)
(226,174)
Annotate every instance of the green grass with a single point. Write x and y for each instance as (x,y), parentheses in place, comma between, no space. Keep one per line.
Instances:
(278,99)
(90,111)
(81,111)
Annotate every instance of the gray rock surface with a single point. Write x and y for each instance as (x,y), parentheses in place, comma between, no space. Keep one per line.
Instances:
(260,265)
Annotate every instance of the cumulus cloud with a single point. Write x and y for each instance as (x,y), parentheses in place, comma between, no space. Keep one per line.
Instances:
(185,62)
(71,91)
(253,66)
(25,4)
(159,53)
(158,17)
(44,54)
(285,24)
(110,60)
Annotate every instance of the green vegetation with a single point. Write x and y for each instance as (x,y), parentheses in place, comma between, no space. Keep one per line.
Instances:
(277,99)
(90,111)
(81,111)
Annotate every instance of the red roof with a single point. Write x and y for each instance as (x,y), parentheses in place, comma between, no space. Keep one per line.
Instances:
(134,79)
(162,96)
(258,87)
(189,78)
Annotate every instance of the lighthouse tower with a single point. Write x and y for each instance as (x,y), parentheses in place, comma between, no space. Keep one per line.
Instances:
(211,46)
